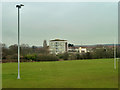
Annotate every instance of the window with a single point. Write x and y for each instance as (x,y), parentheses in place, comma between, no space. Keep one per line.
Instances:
(56,43)
(56,49)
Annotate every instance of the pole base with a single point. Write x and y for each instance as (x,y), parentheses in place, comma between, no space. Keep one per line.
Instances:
(18,77)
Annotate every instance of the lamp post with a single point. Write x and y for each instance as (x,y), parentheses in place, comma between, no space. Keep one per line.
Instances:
(115,55)
(19,6)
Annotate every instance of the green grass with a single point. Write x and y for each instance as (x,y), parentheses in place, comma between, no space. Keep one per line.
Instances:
(97,73)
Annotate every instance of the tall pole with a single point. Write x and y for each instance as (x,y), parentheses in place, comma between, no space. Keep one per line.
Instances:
(18,44)
(114,55)
(19,6)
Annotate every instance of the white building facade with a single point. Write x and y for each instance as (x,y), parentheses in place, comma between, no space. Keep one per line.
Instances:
(82,50)
(77,50)
(58,46)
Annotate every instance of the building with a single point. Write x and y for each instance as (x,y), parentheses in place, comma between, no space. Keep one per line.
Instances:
(77,49)
(58,46)
(82,50)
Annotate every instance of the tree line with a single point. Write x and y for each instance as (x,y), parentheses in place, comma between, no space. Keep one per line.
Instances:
(34,53)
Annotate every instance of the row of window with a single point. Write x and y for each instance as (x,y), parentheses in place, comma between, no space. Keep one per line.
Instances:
(57,44)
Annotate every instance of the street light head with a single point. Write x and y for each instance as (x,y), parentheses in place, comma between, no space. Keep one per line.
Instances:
(19,6)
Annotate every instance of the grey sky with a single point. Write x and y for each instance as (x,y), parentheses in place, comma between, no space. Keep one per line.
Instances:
(79,23)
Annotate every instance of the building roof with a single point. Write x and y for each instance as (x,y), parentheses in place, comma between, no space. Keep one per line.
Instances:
(58,40)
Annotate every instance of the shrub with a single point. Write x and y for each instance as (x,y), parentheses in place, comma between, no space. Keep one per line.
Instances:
(45,57)
(31,57)
(72,56)
(64,56)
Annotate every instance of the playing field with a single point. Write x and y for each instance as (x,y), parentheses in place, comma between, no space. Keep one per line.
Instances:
(97,73)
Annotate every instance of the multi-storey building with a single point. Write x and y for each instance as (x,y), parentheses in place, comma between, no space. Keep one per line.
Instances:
(58,46)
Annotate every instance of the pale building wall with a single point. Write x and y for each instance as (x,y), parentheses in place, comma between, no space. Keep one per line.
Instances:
(56,47)
(82,49)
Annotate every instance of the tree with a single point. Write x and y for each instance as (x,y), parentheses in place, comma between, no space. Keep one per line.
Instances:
(5,51)
(70,45)
(13,49)
(45,44)
(45,47)
(25,49)
(118,51)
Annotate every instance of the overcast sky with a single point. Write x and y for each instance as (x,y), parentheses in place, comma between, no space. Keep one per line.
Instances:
(79,23)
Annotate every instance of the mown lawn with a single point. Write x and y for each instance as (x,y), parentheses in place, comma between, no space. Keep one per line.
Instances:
(97,73)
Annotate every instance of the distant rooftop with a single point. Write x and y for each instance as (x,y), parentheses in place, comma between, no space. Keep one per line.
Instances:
(58,40)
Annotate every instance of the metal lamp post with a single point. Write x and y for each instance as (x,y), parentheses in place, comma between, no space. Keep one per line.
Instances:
(115,55)
(19,6)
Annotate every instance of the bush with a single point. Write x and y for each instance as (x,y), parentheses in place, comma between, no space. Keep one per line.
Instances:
(78,56)
(31,57)
(64,56)
(73,56)
(44,57)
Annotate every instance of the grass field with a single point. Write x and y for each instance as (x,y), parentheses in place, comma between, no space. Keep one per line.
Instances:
(97,73)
